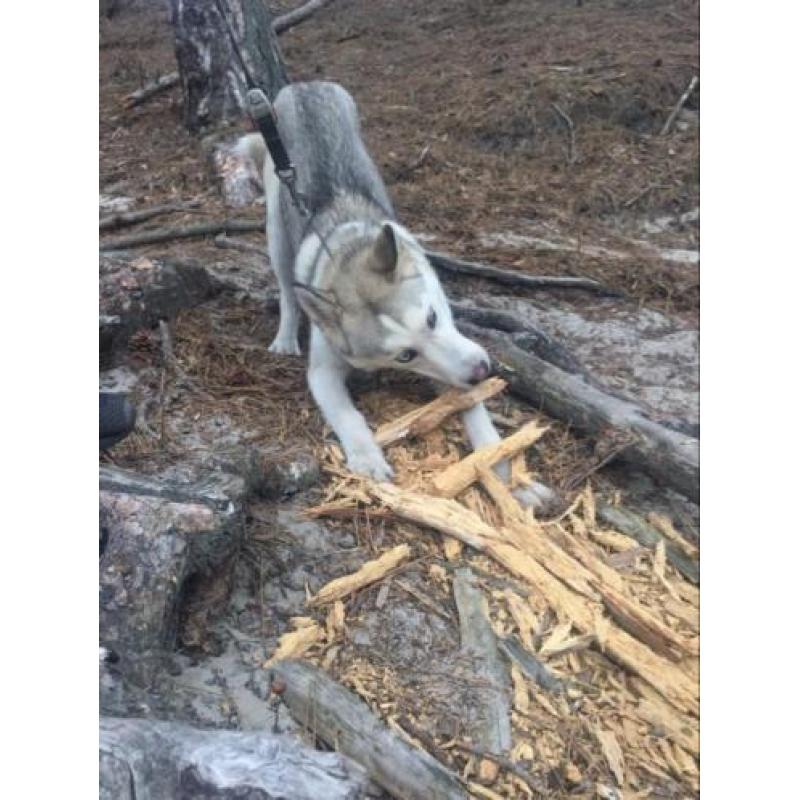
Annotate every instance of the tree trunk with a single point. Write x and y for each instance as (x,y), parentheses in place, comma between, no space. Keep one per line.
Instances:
(211,76)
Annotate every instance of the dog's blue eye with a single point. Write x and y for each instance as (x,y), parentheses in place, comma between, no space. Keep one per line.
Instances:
(406,356)
(432,319)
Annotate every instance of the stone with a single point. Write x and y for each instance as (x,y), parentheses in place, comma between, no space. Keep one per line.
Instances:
(154,760)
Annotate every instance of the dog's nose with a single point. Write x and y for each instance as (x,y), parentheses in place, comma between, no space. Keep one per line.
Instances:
(480,372)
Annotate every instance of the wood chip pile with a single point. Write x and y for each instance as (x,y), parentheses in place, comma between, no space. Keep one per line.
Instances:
(557,658)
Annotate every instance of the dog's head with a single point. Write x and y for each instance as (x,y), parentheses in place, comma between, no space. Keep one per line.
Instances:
(385,308)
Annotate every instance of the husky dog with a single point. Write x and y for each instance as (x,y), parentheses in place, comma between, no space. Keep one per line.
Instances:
(372,297)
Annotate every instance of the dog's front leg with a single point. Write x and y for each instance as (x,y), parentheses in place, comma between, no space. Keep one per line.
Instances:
(327,371)
(481,432)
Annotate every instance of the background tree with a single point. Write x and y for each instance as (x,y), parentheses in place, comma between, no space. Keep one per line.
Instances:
(211,77)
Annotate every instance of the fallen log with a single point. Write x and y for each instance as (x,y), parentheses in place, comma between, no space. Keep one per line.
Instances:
(152,89)
(421,420)
(634,526)
(667,455)
(345,723)
(123,219)
(189,232)
(519,279)
(492,729)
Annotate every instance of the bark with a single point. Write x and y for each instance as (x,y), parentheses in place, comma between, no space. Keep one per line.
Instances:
(212,80)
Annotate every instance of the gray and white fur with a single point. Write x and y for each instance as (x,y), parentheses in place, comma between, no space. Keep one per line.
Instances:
(373,299)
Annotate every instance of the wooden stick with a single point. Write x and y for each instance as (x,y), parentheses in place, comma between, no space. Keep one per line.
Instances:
(425,418)
(370,572)
(459,476)
(225,242)
(492,729)
(152,89)
(167,234)
(530,665)
(679,105)
(297,15)
(347,725)
(512,278)
(134,217)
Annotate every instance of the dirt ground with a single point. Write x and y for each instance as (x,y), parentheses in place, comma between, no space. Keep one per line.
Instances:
(463,106)
(460,108)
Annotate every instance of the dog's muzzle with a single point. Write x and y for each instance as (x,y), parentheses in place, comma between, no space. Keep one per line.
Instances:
(480,372)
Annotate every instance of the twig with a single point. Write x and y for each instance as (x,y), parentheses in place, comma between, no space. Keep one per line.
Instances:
(679,105)
(512,278)
(226,243)
(192,231)
(566,119)
(297,15)
(134,217)
(150,90)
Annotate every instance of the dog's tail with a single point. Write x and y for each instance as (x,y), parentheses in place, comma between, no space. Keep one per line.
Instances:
(252,146)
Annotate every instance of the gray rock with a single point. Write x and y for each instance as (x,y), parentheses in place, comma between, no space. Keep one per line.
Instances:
(137,291)
(160,534)
(152,760)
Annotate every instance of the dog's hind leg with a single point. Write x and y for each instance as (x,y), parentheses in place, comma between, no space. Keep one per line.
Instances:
(281,257)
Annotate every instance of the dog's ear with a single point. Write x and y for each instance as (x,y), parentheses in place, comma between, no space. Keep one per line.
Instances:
(323,310)
(385,252)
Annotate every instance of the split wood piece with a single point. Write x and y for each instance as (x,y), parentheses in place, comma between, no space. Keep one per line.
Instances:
(297,15)
(644,626)
(451,518)
(634,526)
(664,675)
(296,643)
(664,526)
(667,455)
(425,418)
(445,516)
(572,645)
(120,220)
(580,552)
(512,278)
(158,86)
(346,724)
(509,507)
(453,480)
(492,730)
(192,231)
(653,710)
(530,665)
(370,572)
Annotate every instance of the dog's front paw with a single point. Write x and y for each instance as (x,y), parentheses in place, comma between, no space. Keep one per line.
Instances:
(285,346)
(370,462)
(539,498)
